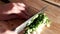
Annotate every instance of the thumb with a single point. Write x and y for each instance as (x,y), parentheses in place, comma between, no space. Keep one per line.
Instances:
(9,32)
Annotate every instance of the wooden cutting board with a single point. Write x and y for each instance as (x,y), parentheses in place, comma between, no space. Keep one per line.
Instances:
(54,15)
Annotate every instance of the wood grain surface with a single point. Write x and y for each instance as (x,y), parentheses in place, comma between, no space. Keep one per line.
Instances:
(51,11)
(57,1)
(54,15)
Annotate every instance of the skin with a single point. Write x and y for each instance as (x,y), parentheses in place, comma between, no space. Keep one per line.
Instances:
(4,28)
(8,32)
(18,11)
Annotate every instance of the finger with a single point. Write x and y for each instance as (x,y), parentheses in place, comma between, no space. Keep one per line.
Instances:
(20,8)
(21,4)
(9,32)
(15,10)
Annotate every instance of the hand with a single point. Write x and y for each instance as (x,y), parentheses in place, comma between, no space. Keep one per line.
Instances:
(9,32)
(4,29)
(13,8)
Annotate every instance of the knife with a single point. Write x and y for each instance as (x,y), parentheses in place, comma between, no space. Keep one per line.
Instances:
(23,25)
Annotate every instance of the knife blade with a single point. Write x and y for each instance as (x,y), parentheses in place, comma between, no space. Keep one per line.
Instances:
(23,25)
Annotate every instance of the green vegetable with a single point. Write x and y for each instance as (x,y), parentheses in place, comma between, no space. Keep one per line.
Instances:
(36,23)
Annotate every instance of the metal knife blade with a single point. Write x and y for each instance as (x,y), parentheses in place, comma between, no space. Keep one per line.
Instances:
(23,25)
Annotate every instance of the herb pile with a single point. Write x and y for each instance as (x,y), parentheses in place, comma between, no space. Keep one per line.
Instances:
(36,23)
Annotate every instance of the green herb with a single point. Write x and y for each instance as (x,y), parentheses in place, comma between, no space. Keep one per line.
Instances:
(36,23)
